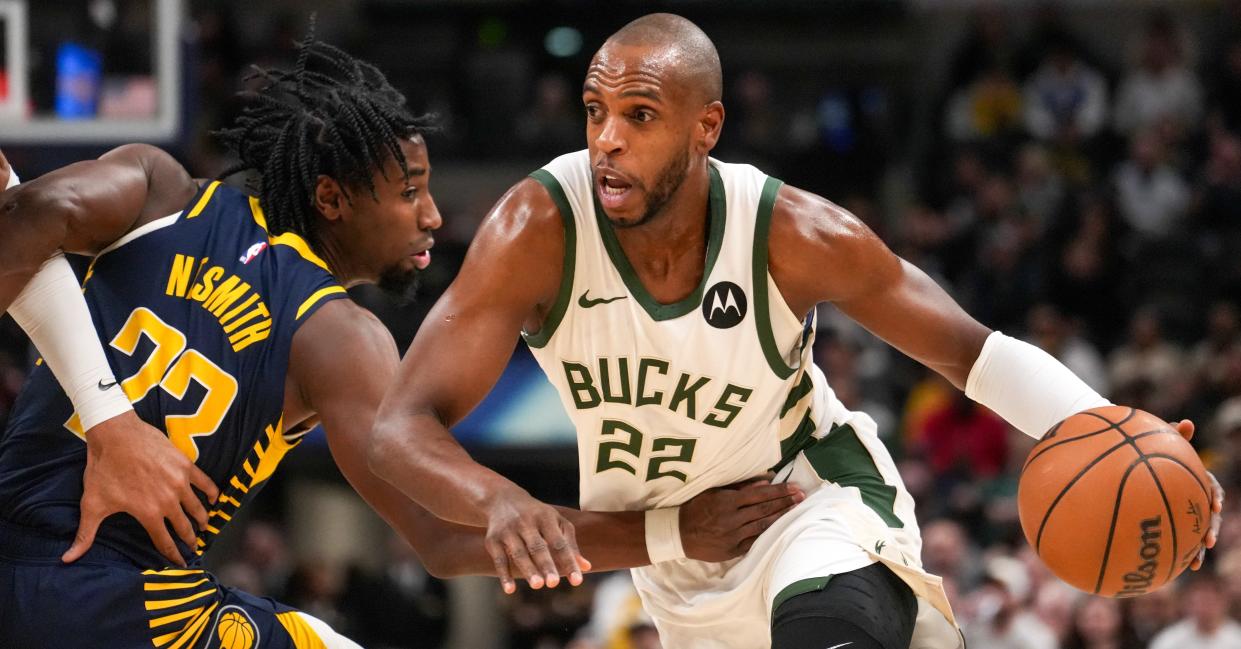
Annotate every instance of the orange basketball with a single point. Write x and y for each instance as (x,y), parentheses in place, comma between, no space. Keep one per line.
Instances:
(1114,501)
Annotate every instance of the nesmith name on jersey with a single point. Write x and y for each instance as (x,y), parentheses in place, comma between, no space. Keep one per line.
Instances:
(652,385)
(240,310)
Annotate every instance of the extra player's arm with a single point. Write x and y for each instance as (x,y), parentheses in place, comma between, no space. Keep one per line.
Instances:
(342,362)
(84,207)
(838,259)
(131,467)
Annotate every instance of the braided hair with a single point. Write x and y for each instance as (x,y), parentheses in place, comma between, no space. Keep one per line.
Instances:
(332,115)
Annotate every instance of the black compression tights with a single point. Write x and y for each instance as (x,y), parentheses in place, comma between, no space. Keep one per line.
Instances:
(869,608)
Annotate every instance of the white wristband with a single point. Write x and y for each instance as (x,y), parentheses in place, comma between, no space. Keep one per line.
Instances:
(52,311)
(1026,386)
(663,534)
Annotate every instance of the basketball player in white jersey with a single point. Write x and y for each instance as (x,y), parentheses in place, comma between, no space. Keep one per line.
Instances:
(662,292)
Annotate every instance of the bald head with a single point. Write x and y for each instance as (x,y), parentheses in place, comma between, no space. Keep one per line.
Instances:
(689,52)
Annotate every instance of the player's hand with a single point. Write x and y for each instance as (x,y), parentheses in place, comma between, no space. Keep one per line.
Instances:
(722,523)
(131,467)
(1186,428)
(531,540)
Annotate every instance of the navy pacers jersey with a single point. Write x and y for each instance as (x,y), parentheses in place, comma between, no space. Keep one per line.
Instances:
(196,311)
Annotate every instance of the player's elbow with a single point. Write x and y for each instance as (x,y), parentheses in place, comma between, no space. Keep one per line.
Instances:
(382,449)
(39,215)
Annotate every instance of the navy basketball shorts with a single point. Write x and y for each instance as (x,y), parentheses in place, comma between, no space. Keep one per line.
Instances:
(103,600)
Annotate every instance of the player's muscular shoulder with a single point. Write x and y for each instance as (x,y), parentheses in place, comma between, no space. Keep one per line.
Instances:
(819,252)
(340,348)
(515,261)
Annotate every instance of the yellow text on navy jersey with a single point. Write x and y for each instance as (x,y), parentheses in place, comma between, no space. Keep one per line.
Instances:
(239,308)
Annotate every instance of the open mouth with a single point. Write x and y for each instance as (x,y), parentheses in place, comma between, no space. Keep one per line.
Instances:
(422,259)
(613,189)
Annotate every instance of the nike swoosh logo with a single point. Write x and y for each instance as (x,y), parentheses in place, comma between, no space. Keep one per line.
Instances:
(105,386)
(586,302)
(843,644)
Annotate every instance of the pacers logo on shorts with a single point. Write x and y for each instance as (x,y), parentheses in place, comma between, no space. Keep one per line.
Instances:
(235,629)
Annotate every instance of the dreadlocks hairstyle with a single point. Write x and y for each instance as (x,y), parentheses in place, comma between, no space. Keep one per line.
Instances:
(332,115)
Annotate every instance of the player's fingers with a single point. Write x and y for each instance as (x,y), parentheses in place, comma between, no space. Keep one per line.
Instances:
(520,563)
(540,550)
(88,524)
(500,560)
(1198,560)
(181,524)
(204,484)
(1186,428)
(753,529)
(194,508)
(770,508)
(758,493)
(560,537)
(580,564)
(158,532)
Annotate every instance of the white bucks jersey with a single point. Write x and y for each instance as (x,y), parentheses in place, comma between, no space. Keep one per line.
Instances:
(671,399)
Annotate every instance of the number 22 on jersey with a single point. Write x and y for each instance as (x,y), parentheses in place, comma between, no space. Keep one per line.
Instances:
(171,366)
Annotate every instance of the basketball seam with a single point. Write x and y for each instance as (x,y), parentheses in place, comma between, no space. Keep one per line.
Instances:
(1038,541)
(1054,429)
(1062,442)
(1111,530)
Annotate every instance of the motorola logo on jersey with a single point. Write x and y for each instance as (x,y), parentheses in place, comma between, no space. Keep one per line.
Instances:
(724,305)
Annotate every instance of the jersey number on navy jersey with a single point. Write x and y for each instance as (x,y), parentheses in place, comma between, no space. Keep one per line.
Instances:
(171,367)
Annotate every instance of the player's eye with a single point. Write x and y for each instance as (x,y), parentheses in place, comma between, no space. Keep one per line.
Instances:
(592,111)
(642,115)
(409,192)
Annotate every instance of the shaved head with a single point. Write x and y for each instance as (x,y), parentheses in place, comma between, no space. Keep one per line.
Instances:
(689,52)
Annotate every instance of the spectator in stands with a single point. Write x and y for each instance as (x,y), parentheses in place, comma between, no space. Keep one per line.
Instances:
(965,442)
(1211,357)
(1152,196)
(400,607)
(1001,618)
(1147,367)
(1041,191)
(947,551)
(1162,93)
(988,108)
(1152,613)
(1098,623)
(1066,99)
(1206,624)
(1056,335)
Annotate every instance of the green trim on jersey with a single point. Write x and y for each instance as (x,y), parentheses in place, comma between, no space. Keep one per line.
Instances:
(554,316)
(842,458)
(762,311)
(715,236)
(799,587)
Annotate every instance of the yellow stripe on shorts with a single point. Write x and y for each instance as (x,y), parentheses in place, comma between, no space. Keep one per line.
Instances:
(304,637)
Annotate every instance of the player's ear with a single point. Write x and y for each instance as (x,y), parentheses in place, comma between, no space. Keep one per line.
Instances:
(329,199)
(710,121)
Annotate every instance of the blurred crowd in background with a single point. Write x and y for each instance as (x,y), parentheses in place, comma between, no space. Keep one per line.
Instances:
(1071,180)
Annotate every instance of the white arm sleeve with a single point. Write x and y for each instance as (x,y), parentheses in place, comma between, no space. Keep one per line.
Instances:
(1027,386)
(52,311)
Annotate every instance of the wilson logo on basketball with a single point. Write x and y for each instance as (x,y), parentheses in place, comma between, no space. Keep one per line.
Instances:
(1139,581)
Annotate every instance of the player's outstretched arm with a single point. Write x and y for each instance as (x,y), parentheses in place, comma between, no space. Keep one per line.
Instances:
(839,260)
(342,362)
(509,279)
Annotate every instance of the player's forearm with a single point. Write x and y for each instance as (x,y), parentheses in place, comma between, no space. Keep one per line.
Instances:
(610,540)
(419,456)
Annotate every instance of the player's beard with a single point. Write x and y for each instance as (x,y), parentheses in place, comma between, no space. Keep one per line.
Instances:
(400,284)
(666,184)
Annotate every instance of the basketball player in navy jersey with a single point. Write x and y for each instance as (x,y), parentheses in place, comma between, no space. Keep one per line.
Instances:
(225,323)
